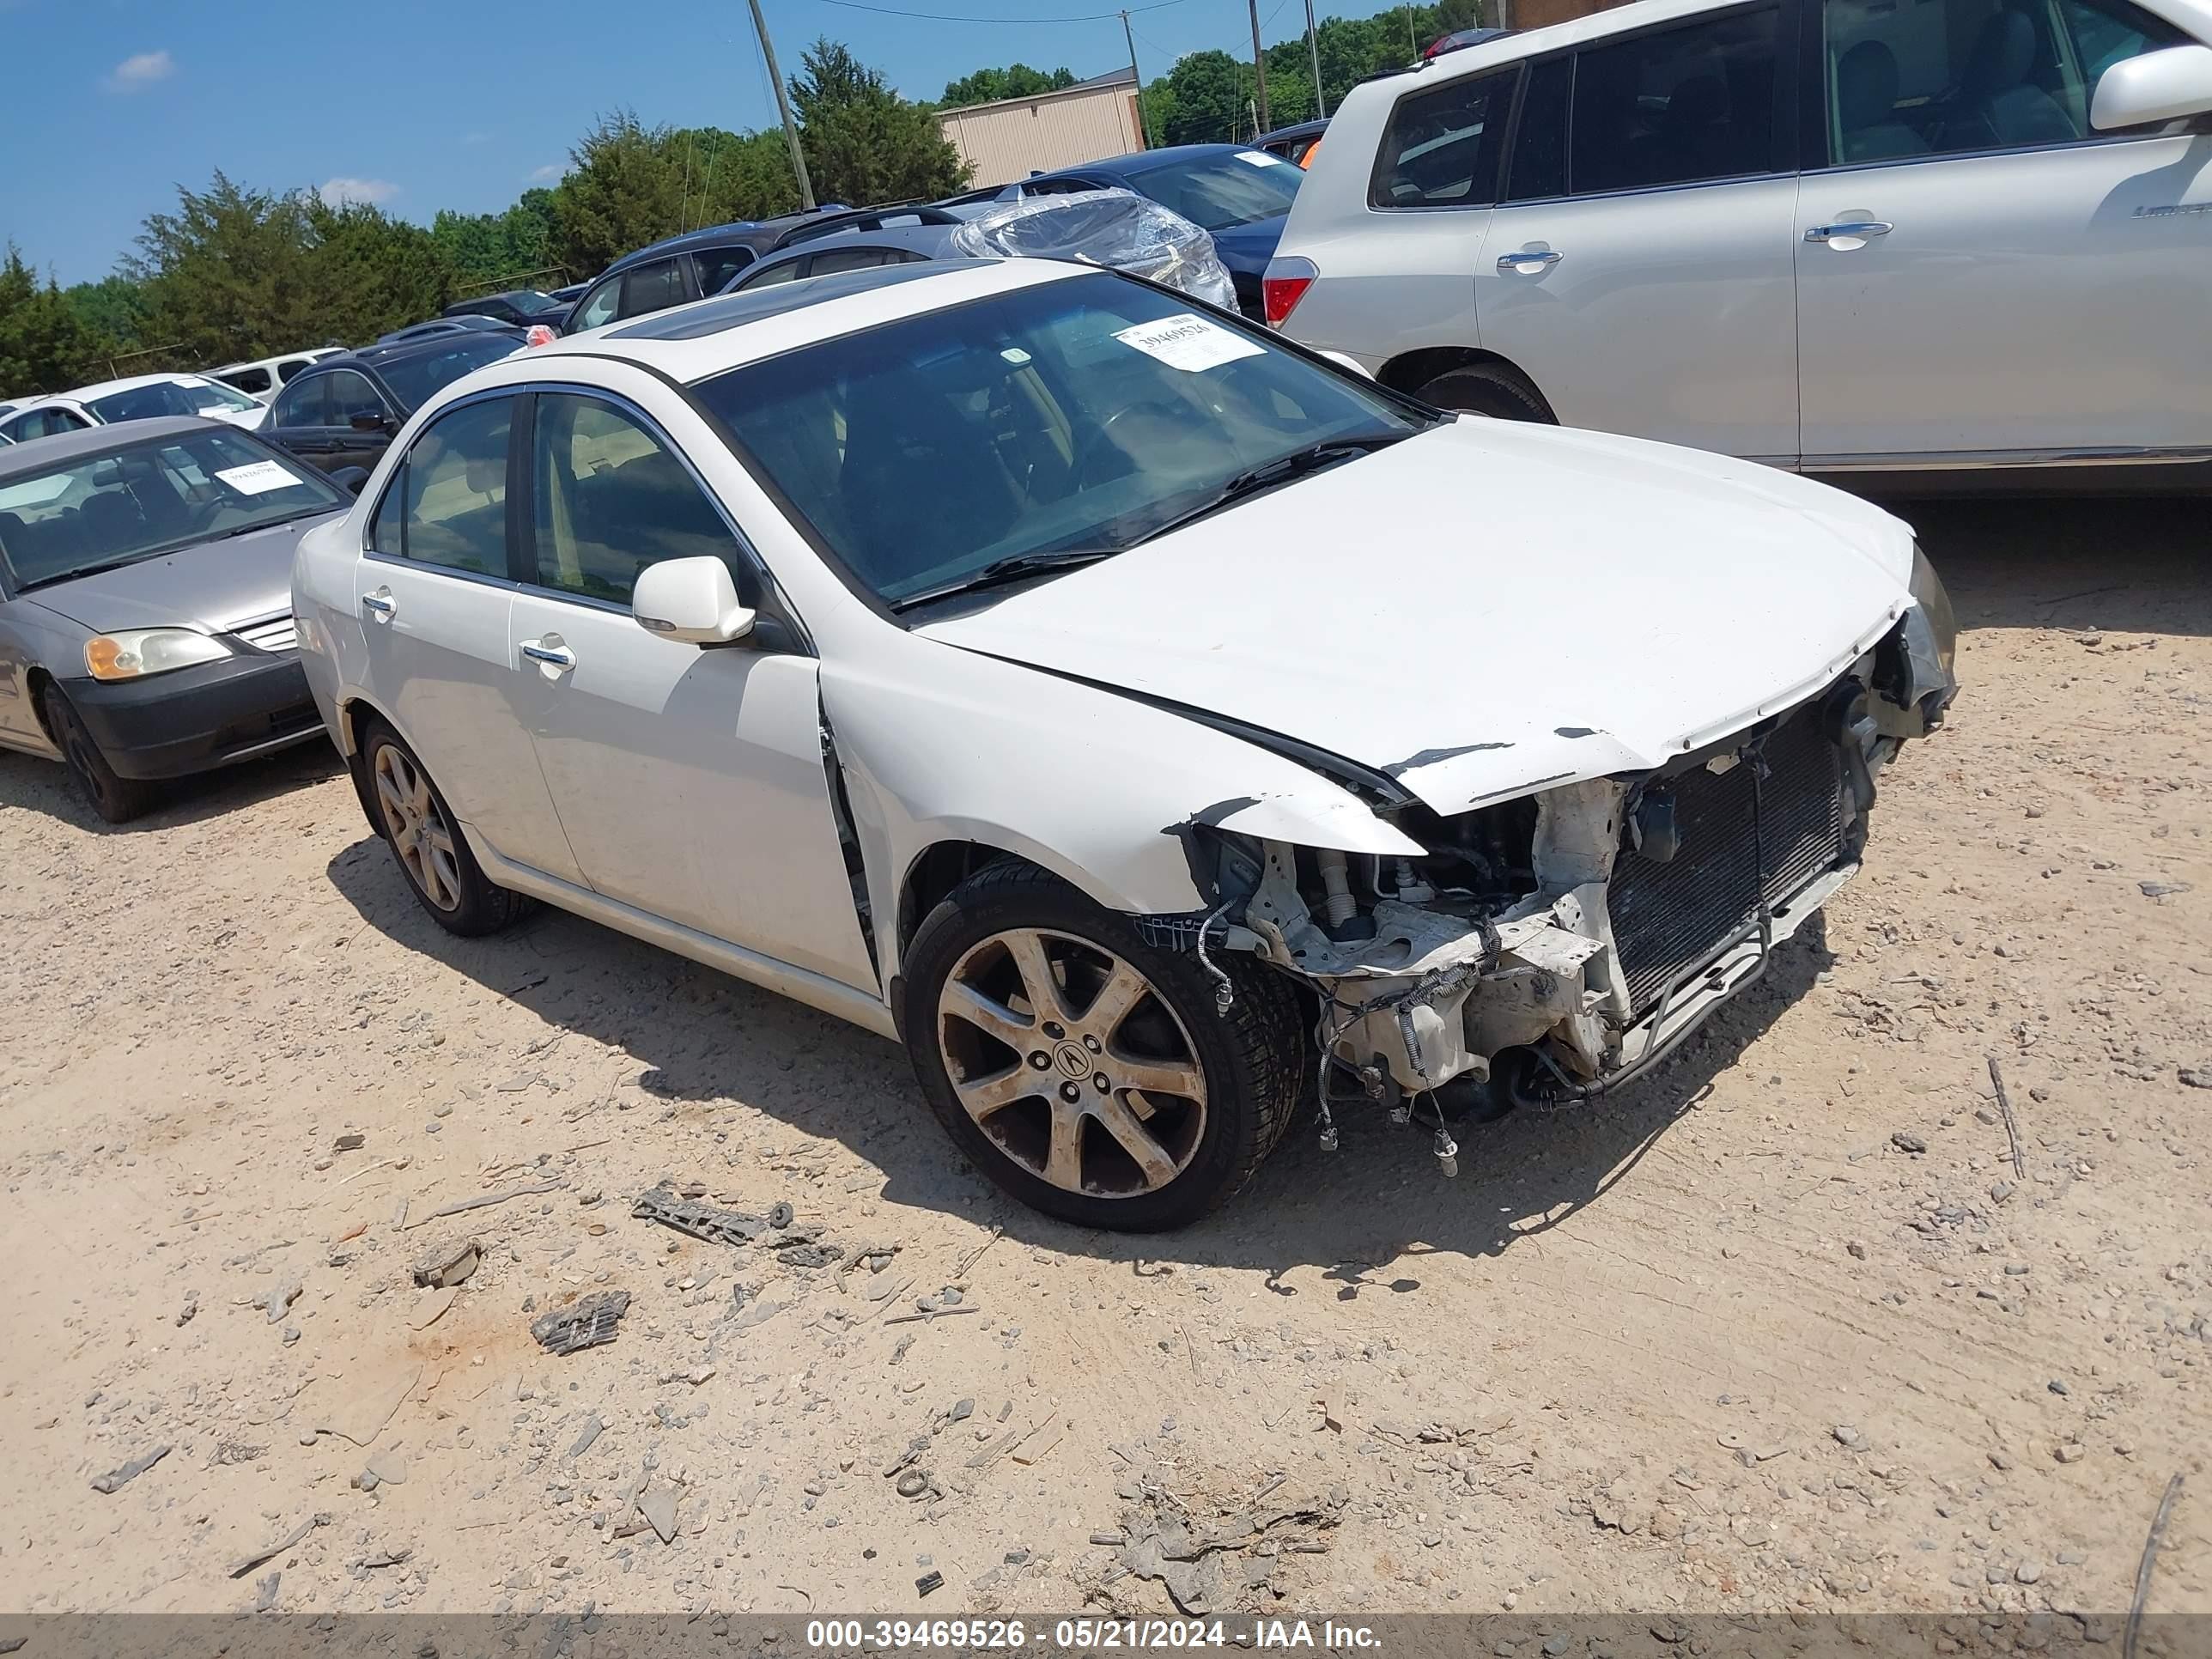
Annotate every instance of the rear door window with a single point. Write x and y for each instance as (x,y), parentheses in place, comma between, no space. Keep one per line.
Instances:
(1676,105)
(1539,166)
(303,403)
(1442,147)
(653,288)
(454,514)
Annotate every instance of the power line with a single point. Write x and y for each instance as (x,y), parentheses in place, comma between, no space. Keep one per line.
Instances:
(951,17)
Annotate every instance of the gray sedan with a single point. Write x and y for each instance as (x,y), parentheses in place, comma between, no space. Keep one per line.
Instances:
(145,603)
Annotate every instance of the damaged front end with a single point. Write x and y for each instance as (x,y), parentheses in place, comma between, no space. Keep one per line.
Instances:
(1556,944)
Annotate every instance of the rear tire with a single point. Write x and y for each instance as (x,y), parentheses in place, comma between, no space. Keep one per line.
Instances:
(1489,389)
(117,798)
(427,843)
(1077,1136)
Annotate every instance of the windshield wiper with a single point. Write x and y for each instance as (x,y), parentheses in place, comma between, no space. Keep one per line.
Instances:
(268,523)
(1281,471)
(1019,567)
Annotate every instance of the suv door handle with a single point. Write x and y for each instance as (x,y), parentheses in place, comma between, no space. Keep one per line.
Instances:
(1528,261)
(379,604)
(551,651)
(1859,228)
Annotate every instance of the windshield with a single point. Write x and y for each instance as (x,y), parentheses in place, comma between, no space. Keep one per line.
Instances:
(1079,414)
(152,498)
(417,378)
(149,402)
(534,305)
(1221,191)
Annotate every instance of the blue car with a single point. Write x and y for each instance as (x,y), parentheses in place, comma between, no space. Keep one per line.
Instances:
(1239,194)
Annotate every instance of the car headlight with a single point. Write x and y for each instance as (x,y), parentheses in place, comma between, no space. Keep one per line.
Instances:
(1927,588)
(139,652)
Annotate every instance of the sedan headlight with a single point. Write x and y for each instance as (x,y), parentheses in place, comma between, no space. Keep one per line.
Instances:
(134,654)
(1928,592)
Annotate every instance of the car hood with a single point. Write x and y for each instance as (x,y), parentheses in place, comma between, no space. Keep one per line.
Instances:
(1484,610)
(215,586)
(1242,247)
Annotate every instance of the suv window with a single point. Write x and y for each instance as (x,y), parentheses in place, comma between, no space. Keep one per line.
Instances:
(1539,166)
(716,266)
(1676,107)
(854,259)
(350,392)
(290,367)
(455,481)
(247,380)
(653,288)
(598,308)
(1946,76)
(302,403)
(1442,147)
(611,500)
(785,272)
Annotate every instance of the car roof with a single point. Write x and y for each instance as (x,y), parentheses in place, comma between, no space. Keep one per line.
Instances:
(85,394)
(374,356)
(930,241)
(63,448)
(690,343)
(1283,135)
(750,232)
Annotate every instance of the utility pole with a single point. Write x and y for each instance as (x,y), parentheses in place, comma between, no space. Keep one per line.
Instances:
(1412,44)
(1258,69)
(783,105)
(1144,134)
(1313,51)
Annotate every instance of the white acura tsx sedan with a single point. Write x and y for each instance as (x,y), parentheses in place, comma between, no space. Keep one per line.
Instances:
(1148,722)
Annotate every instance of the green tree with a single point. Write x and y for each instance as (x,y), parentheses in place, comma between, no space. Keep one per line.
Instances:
(1208,92)
(865,143)
(44,344)
(986,86)
(112,310)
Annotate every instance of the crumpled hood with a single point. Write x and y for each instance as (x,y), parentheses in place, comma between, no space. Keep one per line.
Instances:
(1487,609)
(214,586)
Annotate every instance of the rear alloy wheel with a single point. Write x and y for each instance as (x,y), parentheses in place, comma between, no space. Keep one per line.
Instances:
(432,854)
(1090,1075)
(117,798)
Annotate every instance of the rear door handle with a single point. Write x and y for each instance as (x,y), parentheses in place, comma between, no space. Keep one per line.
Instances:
(379,604)
(1854,229)
(551,651)
(1528,261)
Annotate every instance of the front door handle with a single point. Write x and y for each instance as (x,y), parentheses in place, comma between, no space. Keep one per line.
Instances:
(379,604)
(551,651)
(1852,230)
(1528,261)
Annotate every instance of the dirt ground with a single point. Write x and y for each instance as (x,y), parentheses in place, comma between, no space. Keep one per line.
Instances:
(1780,1327)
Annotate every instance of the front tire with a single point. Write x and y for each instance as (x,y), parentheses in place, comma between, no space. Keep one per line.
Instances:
(1088,1074)
(427,843)
(117,798)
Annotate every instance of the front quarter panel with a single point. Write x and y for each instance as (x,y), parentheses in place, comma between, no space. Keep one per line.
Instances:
(940,744)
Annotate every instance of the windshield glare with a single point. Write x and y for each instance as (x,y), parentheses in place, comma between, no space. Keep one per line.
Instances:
(1223,191)
(416,378)
(1076,414)
(149,498)
(148,402)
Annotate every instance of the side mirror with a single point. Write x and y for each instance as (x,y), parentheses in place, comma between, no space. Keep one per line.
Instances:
(1349,363)
(2158,86)
(690,601)
(363,421)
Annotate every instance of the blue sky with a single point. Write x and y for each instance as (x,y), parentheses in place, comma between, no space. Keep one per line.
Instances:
(463,104)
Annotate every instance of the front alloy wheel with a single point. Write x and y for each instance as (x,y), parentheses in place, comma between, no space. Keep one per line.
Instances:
(1088,1073)
(1065,1056)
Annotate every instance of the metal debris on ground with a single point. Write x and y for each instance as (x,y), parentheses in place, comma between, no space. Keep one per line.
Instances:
(2011,1123)
(484,1198)
(1209,1567)
(688,1216)
(932,1580)
(244,1564)
(115,1479)
(928,1314)
(582,1324)
(448,1264)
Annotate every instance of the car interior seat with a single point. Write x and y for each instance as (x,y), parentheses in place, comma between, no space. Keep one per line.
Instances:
(1867,85)
(1999,107)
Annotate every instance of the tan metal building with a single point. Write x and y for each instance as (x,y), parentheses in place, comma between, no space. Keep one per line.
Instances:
(1014,137)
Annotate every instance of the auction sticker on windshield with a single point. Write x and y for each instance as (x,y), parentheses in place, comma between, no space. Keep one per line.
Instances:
(1188,341)
(257,479)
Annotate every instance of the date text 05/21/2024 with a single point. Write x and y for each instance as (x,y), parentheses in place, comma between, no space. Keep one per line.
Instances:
(1086,1635)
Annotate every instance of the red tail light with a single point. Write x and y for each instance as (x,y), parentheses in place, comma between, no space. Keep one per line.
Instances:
(1286,284)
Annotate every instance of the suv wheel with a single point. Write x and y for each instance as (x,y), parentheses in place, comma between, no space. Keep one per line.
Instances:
(432,854)
(1086,1074)
(117,798)
(1490,389)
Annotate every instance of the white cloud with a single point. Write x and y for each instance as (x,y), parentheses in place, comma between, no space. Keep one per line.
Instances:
(548,174)
(337,193)
(475,137)
(140,70)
